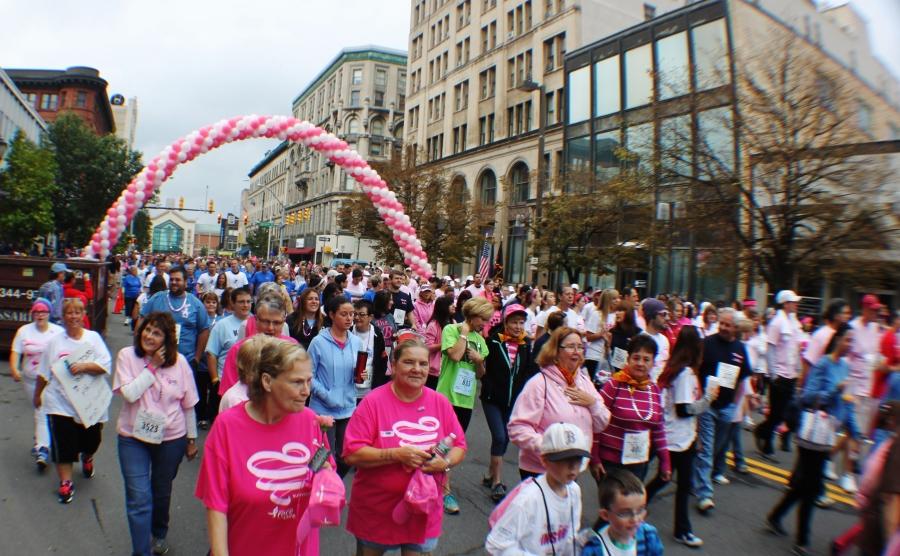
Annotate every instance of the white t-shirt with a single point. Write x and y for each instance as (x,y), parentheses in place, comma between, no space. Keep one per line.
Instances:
(662,354)
(573,319)
(235,281)
(356,291)
(206,283)
(53,399)
(596,350)
(612,549)
(756,351)
(783,336)
(476,291)
(864,354)
(523,528)
(681,431)
(31,343)
(530,323)
(233,396)
(367,343)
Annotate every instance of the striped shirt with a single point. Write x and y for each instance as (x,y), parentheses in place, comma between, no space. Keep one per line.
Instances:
(633,411)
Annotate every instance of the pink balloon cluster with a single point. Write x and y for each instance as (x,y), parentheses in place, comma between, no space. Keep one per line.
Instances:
(239,128)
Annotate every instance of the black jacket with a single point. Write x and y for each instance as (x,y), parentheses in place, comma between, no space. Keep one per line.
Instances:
(501,384)
(379,365)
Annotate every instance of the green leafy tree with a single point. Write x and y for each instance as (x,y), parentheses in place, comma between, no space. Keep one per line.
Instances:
(142,230)
(29,187)
(91,172)
(257,241)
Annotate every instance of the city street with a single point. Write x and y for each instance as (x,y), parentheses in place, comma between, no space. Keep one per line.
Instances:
(94,523)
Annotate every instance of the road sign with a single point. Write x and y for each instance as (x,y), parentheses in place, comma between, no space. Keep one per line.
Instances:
(265,224)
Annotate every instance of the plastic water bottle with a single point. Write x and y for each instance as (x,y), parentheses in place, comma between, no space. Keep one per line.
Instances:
(443,447)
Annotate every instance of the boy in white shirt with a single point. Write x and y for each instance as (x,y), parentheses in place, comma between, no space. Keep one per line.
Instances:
(542,515)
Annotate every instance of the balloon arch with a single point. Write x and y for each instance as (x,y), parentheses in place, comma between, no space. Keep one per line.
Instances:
(205,139)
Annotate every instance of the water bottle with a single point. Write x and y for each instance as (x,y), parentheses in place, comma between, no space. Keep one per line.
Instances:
(443,447)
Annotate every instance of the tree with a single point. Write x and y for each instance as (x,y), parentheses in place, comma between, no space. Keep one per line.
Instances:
(440,212)
(91,173)
(142,230)
(595,226)
(29,184)
(257,240)
(204,251)
(805,198)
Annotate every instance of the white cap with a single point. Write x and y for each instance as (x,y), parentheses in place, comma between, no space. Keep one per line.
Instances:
(469,278)
(575,287)
(332,273)
(366,273)
(786,296)
(448,279)
(564,441)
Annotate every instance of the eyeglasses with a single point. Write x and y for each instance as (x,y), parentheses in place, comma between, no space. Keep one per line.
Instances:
(363,315)
(272,323)
(636,514)
(573,347)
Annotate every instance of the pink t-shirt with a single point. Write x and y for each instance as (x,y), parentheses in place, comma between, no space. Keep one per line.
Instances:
(258,476)
(230,370)
(433,336)
(172,392)
(383,421)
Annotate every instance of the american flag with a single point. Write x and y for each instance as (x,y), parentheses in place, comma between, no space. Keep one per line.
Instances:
(485,262)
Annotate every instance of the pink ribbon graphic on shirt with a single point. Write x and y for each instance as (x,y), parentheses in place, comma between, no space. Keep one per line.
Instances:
(282,472)
(424,433)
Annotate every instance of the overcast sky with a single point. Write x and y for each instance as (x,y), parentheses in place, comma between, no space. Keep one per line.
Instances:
(194,62)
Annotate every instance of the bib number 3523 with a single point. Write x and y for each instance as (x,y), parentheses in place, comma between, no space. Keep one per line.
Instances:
(149,427)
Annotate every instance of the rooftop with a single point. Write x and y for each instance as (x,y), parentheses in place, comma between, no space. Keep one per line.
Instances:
(353,53)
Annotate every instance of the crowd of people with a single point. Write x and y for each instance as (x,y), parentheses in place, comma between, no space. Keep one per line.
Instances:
(304,374)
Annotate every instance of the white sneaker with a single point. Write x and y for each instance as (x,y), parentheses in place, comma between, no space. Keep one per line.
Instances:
(748,423)
(848,483)
(705,505)
(830,473)
(721,480)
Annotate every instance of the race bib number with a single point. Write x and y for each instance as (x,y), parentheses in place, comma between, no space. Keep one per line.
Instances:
(465,382)
(149,427)
(399,316)
(727,375)
(636,447)
(177,332)
(619,358)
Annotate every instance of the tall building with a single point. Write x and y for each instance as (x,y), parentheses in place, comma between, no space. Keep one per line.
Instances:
(16,114)
(359,96)
(484,75)
(679,77)
(125,114)
(172,232)
(78,89)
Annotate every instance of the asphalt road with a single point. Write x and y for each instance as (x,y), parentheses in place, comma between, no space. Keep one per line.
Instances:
(33,522)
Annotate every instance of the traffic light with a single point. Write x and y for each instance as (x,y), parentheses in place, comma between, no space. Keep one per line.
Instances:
(307,212)
(212,206)
(219,219)
(246,219)
(289,218)
(180,203)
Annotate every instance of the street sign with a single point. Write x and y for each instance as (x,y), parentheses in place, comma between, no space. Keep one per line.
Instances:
(640,283)
(265,224)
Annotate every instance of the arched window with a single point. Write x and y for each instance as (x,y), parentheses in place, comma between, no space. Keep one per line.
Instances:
(377,127)
(352,125)
(458,189)
(488,188)
(518,179)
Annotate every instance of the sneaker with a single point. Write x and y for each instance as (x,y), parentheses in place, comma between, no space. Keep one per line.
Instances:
(34,452)
(768,456)
(824,502)
(87,466)
(66,492)
(829,472)
(451,506)
(705,505)
(486,482)
(689,539)
(159,546)
(498,492)
(848,483)
(800,550)
(742,469)
(41,459)
(203,424)
(721,480)
(749,425)
(775,527)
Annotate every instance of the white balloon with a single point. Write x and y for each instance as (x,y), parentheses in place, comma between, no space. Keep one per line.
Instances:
(121,219)
(104,233)
(104,243)
(120,206)
(139,196)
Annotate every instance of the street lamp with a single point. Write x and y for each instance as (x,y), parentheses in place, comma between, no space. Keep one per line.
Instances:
(529,86)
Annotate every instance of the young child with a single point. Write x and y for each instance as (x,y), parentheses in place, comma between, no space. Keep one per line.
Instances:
(542,515)
(623,506)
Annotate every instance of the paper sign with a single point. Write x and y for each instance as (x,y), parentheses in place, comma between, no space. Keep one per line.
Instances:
(399,316)
(89,394)
(727,375)
(619,358)
(635,447)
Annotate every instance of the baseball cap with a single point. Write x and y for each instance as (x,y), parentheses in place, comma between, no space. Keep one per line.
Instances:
(787,296)
(871,301)
(332,273)
(652,307)
(469,278)
(512,309)
(563,441)
(426,287)
(58,267)
(575,287)
(421,497)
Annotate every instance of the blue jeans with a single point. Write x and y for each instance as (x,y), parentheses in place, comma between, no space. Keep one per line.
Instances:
(737,445)
(714,432)
(497,419)
(148,470)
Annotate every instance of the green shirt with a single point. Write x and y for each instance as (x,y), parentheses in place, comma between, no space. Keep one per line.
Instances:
(457,382)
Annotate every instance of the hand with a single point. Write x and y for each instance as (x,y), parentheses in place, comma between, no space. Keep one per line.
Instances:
(214,379)
(474,356)
(411,457)
(666,476)
(159,358)
(713,391)
(841,385)
(16,375)
(578,396)
(464,330)
(597,471)
(437,464)
(76,368)
(191,451)
(325,421)
(36,400)
(195,364)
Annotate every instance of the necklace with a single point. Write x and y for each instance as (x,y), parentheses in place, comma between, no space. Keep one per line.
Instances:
(183,309)
(634,405)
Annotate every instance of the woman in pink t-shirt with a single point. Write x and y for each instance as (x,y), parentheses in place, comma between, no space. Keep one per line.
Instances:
(390,436)
(255,478)
(157,427)
(441,317)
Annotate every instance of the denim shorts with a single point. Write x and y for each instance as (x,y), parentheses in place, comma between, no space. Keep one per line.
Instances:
(428,546)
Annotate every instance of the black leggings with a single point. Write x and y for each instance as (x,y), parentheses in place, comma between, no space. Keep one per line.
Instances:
(208,405)
(463,415)
(805,485)
(336,442)
(683,469)
(780,395)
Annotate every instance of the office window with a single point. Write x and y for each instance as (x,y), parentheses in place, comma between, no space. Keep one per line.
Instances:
(606,163)
(550,106)
(381,77)
(710,54)
(32,99)
(356,76)
(638,76)
(578,153)
(378,98)
(488,188)
(674,146)
(401,82)
(639,141)
(81,99)
(520,183)
(461,94)
(352,126)
(487,81)
(579,95)
(607,92)
(49,102)
(354,98)
(865,117)
(672,64)
(715,140)
(377,127)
